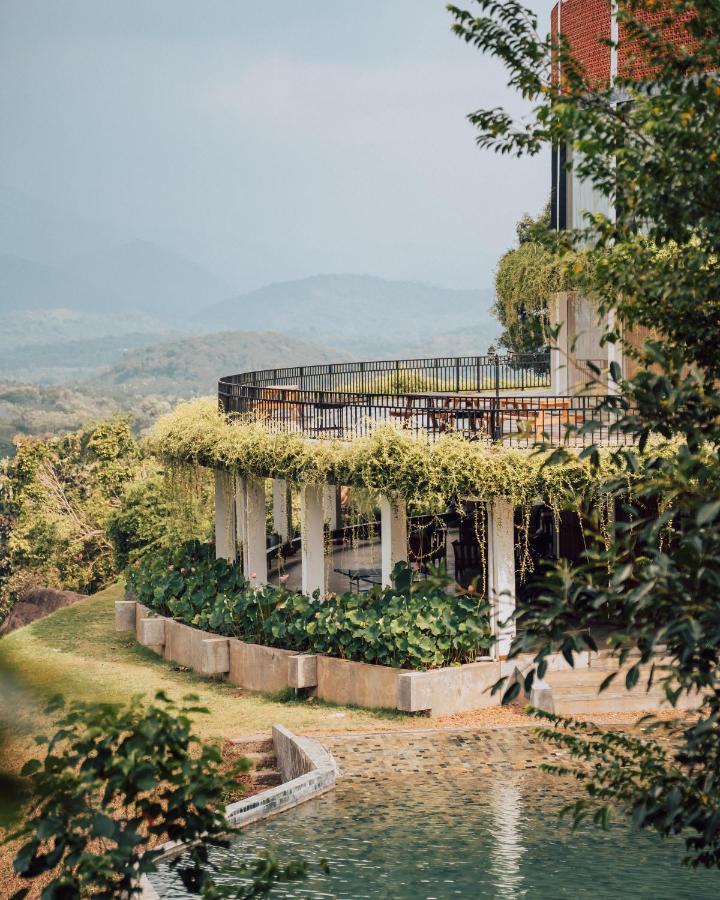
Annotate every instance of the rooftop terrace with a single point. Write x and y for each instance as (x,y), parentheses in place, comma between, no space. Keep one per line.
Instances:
(489,398)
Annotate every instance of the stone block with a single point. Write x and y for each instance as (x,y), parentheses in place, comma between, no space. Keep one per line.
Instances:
(258,668)
(215,656)
(357,684)
(302,670)
(152,632)
(443,692)
(125,615)
(541,696)
(141,612)
(179,644)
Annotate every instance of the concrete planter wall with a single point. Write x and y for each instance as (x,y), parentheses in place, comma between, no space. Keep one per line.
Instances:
(258,668)
(358,684)
(269,669)
(439,692)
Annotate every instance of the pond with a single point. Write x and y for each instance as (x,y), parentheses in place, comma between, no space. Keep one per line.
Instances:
(461,835)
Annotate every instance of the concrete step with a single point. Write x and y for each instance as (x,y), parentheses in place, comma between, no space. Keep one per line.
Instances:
(266,777)
(588,678)
(576,692)
(258,745)
(592,704)
(266,760)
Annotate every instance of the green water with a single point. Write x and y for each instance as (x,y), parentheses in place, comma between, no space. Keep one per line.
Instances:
(494,836)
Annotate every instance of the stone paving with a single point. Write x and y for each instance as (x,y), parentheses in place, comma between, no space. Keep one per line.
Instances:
(434,753)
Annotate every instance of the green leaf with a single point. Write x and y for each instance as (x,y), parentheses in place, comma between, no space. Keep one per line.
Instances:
(511,693)
(708,512)
(31,767)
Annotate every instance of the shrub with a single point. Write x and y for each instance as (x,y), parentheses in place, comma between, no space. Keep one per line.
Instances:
(116,781)
(410,624)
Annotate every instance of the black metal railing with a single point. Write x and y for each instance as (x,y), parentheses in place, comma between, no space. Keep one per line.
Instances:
(489,398)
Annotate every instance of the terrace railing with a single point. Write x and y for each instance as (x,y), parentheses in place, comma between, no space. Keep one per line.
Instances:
(489,398)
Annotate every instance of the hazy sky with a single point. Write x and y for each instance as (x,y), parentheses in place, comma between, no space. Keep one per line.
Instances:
(266,140)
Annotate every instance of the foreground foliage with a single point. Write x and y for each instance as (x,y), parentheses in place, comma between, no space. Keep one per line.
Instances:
(647,146)
(411,624)
(119,780)
(115,782)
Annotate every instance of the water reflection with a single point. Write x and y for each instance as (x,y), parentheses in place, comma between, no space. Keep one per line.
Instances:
(507,847)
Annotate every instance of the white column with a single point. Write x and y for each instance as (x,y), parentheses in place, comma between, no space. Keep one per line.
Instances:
(501,573)
(256,568)
(558,346)
(281,509)
(241,520)
(331,504)
(394,535)
(224,516)
(312,539)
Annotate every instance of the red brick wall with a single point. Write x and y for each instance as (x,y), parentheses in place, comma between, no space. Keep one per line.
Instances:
(586,22)
(676,33)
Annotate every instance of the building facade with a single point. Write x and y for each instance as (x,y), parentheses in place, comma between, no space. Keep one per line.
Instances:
(591,27)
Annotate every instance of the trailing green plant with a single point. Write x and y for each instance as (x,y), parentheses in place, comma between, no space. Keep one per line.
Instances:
(525,281)
(159,509)
(116,781)
(410,624)
(431,477)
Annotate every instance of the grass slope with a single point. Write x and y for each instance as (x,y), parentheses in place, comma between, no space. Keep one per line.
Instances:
(77,652)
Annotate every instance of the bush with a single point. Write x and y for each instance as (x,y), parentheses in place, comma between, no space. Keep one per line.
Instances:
(115,782)
(411,624)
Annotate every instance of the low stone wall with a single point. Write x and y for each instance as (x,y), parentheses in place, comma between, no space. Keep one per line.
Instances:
(439,692)
(450,690)
(258,668)
(298,756)
(357,684)
(307,770)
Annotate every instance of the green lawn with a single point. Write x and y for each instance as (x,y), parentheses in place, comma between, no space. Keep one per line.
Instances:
(77,652)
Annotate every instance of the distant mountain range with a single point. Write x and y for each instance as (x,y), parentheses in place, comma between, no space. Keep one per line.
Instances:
(151,278)
(84,303)
(189,367)
(360,313)
(135,277)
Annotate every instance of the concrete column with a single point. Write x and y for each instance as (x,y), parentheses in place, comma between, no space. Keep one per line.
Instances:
(331,506)
(241,521)
(281,509)
(559,347)
(256,568)
(501,574)
(394,535)
(312,539)
(224,516)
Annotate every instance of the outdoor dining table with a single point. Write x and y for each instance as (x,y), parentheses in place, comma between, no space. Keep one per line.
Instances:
(371,576)
(442,407)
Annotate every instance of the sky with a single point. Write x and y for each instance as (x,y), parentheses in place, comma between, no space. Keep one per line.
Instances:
(266,141)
